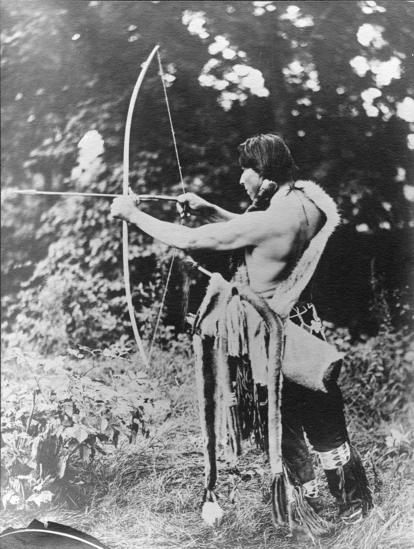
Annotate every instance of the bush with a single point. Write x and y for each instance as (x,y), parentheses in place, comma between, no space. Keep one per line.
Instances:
(76,294)
(378,373)
(59,414)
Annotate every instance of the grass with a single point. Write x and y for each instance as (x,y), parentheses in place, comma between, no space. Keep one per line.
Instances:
(148,495)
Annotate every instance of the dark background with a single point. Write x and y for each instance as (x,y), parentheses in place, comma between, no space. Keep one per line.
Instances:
(70,67)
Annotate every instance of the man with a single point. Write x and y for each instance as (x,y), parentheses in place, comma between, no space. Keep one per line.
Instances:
(276,246)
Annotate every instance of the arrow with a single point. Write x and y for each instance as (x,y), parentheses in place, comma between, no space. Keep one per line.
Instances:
(142,197)
(190,262)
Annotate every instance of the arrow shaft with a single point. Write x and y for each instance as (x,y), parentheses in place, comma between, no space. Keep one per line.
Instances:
(192,263)
(143,197)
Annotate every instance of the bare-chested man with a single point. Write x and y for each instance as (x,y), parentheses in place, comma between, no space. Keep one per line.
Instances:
(273,239)
(280,239)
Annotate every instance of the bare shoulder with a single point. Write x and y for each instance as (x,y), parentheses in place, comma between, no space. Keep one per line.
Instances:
(295,208)
(286,207)
(283,219)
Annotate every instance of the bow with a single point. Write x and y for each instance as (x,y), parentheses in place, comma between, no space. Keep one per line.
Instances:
(144,197)
(125,188)
(125,192)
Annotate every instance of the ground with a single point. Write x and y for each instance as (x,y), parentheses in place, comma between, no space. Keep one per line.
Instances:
(148,495)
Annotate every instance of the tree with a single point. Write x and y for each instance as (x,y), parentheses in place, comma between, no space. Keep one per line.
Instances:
(313,71)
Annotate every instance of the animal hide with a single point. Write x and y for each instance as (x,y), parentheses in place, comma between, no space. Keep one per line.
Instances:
(235,355)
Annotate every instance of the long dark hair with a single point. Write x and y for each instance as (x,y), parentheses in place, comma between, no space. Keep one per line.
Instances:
(268,155)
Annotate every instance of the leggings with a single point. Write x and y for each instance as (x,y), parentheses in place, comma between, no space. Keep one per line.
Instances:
(318,414)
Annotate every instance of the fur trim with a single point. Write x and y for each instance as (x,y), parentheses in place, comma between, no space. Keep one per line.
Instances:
(212,512)
(279,500)
(322,200)
(225,374)
(287,291)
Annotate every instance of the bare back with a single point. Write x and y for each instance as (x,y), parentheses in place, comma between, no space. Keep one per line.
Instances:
(272,259)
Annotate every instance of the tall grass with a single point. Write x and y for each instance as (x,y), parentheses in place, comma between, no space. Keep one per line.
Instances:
(148,495)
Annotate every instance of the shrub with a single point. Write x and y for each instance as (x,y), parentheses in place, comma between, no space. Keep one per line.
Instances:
(76,294)
(59,414)
(378,373)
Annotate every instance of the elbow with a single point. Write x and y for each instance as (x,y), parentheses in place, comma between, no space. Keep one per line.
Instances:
(187,241)
(191,241)
(191,245)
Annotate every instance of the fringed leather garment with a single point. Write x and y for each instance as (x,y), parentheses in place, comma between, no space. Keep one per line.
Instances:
(235,355)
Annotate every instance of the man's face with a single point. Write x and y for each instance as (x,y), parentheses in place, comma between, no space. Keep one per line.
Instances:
(251,182)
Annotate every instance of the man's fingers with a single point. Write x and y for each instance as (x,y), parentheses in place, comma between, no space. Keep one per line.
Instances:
(114,210)
(134,196)
(183,209)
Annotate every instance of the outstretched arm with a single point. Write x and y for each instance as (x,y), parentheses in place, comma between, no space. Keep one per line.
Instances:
(245,230)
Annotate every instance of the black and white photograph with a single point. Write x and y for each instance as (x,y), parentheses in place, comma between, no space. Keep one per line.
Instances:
(207,274)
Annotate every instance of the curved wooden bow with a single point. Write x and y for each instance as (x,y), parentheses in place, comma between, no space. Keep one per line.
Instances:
(125,247)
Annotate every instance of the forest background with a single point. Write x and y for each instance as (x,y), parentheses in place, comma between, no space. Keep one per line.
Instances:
(334,79)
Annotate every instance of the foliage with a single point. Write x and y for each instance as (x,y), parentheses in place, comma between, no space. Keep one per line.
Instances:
(359,154)
(378,373)
(70,67)
(78,285)
(59,414)
(161,479)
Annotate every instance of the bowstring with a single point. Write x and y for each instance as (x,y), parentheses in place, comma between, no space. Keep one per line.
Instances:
(154,335)
(170,119)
